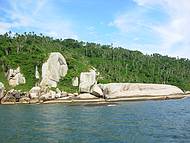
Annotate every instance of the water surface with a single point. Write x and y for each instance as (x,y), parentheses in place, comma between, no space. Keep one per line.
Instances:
(127,122)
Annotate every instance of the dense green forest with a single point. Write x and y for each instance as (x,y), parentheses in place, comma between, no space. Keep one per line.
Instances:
(115,64)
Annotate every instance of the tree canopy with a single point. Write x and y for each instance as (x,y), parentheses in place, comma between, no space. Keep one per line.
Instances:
(115,64)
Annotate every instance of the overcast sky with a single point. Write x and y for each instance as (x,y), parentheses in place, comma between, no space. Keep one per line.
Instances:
(151,26)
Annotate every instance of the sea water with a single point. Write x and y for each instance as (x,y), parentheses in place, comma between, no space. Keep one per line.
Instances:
(126,122)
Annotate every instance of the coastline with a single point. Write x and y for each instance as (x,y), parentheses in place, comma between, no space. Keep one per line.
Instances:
(101,100)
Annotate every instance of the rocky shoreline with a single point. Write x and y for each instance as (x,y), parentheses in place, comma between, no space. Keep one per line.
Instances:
(89,91)
(17,97)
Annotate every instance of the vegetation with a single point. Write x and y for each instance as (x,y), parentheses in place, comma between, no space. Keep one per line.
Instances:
(115,64)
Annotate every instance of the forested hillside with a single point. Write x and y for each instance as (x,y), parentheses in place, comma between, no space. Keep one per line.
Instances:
(115,64)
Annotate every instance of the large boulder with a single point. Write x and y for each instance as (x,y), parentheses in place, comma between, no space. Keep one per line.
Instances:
(34,93)
(87,80)
(53,69)
(1,90)
(15,77)
(117,90)
(97,91)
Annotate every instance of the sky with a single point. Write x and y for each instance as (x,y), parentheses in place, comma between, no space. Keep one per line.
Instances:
(150,26)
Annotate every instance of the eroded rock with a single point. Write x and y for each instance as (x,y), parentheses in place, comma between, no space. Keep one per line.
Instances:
(15,77)
(52,70)
(87,80)
(117,90)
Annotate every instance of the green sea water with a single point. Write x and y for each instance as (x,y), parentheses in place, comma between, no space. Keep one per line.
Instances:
(127,122)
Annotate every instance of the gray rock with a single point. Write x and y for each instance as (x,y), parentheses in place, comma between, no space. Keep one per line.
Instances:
(75,81)
(24,99)
(48,96)
(52,70)
(11,96)
(117,90)
(8,98)
(87,80)
(15,77)
(58,95)
(97,91)
(2,88)
(34,92)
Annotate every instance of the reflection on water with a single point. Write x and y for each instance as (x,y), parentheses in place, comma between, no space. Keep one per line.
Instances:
(148,121)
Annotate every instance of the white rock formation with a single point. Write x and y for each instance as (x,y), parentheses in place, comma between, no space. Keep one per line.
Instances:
(15,77)
(37,74)
(75,81)
(87,80)
(116,90)
(52,70)
(35,92)
(1,90)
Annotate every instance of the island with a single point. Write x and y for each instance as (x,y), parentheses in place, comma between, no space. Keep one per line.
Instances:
(40,70)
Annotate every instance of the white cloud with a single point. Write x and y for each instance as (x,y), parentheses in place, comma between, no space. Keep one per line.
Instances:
(32,16)
(4,27)
(176,31)
(173,33)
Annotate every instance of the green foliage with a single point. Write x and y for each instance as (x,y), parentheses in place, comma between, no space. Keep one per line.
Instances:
(114,64)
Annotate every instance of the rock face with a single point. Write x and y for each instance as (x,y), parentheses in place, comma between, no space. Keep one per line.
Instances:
(1,90)
(87,80)
(75,81)
(116,90)
(52,70)
(15,77)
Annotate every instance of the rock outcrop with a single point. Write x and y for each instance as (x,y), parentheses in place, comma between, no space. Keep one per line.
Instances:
(13,96)
(75,81)
(119,90)
(34,93)
(37,74)
(97,91)
(88,83)
(52,70)
(15,77)
(1,90)
(87,80)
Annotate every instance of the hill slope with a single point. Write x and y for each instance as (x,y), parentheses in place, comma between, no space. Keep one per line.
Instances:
(114,64)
